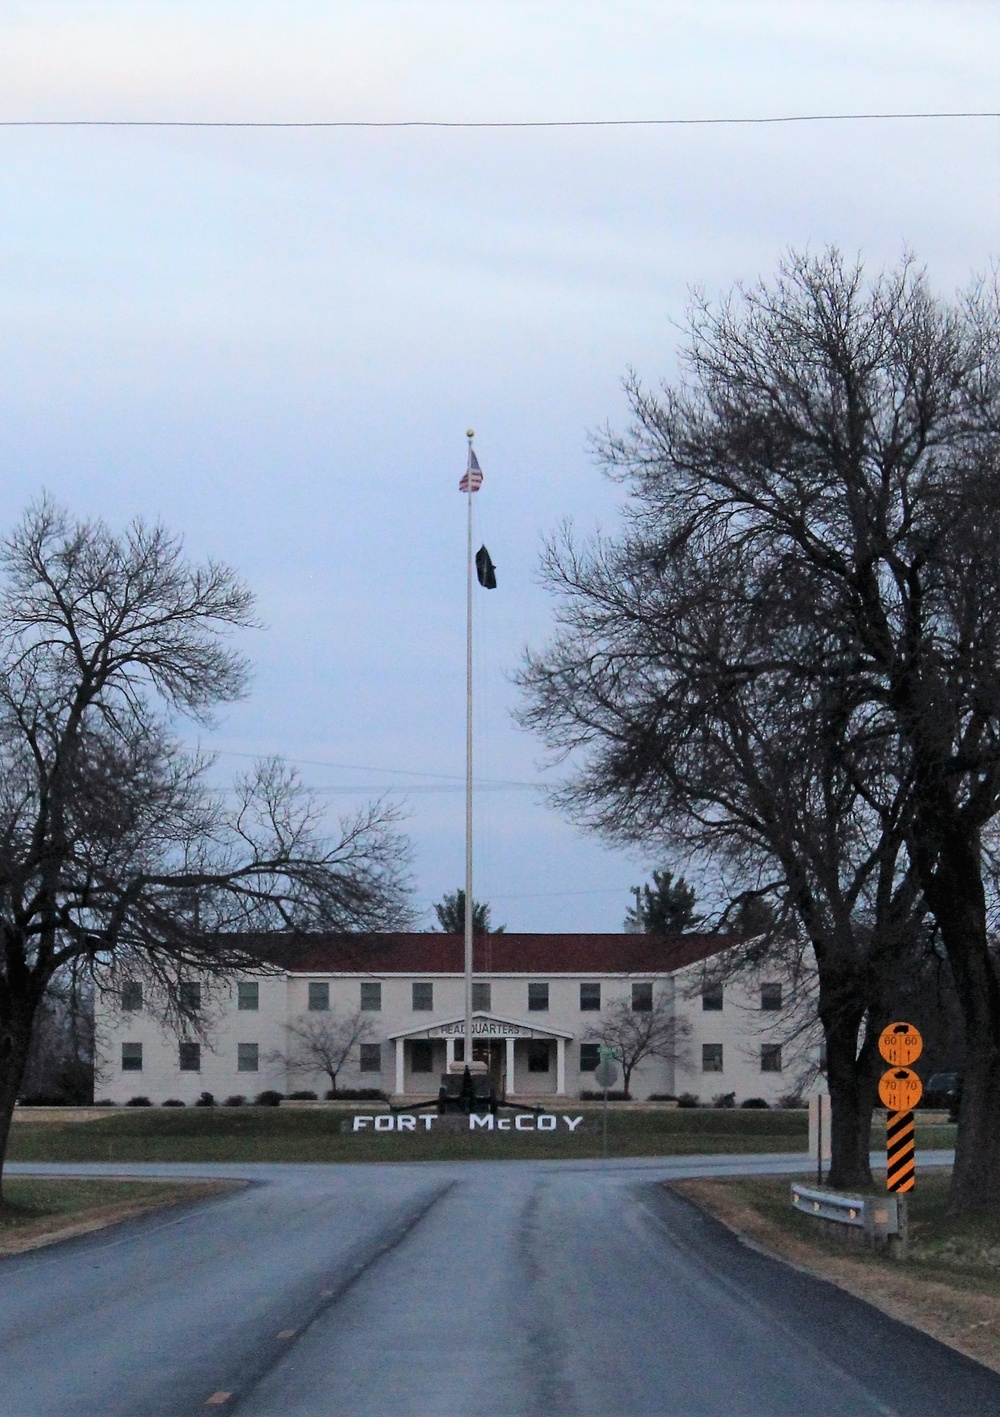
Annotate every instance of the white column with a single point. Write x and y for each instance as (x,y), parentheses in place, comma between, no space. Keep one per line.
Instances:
(560,1065)
(449,1052)
(399,1064)
(510,1065)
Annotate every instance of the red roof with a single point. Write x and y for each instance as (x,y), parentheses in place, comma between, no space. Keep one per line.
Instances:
(504,953)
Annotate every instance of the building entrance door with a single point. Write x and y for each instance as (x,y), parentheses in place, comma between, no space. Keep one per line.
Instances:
(492,1052)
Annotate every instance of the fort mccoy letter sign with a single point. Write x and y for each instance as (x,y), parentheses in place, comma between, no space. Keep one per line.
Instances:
(386,1122)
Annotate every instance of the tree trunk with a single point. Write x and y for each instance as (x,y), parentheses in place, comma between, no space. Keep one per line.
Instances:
(956,896)
(15,1043)
(850,1102)
(843,1008)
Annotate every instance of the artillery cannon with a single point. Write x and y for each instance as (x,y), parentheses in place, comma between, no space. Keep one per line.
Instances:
(467,1092)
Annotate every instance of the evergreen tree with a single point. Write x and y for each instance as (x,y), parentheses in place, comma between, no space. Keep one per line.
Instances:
(451,915)
(665,908)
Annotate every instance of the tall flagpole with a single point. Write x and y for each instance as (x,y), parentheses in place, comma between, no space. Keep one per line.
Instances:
(468,768)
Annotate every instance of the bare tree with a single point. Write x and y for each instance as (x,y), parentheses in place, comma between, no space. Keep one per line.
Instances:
(117,857)
(696,737)
(843,436)
(636,1034)
(323,1042)
(60,1066)
(820,492)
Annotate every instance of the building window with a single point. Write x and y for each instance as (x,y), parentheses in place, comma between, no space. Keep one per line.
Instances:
(770,1057)
(770,996)
(371,997)
(590,996)
(371,1058)
(538,998)
(131,1057)
(711,1057)
(421,1054)
(538,1056)
(642,998)
(590,1056)
(190,1057)
(482,996)
(319,998)
(711,998)
(247,1057)
(248,997)
(423,998)
(131,995)
(189,997)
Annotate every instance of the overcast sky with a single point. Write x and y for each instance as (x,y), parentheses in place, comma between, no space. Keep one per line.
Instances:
(275,340)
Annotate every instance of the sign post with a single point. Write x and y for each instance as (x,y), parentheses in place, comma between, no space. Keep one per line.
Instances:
(820,1132)
(900,1090)
(606,1075)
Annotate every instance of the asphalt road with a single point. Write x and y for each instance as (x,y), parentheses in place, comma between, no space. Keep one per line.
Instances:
(519,1288)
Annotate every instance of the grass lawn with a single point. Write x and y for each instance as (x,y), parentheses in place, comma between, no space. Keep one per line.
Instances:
(949,1286)
(277,1134)
(36,1210)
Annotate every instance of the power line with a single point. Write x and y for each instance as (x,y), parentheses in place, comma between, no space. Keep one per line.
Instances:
(450,777)
(545,895)
(489,123)
(344,790)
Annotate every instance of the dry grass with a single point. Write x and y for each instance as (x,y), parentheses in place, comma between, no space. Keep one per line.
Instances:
(58,1114)
(38,1211)
(949,1288)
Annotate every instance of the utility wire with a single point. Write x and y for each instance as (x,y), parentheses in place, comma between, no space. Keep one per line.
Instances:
(486,123)
(457,778)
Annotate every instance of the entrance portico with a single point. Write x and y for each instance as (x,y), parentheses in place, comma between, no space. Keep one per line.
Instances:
(488,1030)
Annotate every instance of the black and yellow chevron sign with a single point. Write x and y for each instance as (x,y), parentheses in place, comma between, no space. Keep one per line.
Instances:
(900,1152)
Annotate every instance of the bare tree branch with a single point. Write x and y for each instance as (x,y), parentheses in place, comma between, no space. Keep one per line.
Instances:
(118,858)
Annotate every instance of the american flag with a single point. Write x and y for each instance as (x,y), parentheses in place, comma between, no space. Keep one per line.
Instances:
(473,472)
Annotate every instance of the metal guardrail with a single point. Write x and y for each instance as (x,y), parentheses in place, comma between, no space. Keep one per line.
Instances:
(877,1216)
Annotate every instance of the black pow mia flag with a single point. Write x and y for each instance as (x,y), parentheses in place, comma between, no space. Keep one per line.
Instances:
(485,569)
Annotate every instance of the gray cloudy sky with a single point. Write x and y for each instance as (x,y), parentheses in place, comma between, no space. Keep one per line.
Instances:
(274,340)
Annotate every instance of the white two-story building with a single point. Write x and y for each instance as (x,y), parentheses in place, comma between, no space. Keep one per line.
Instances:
(539,1002)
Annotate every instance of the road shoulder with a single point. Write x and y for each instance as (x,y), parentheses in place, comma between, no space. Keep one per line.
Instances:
(965,1320)
(142,1198)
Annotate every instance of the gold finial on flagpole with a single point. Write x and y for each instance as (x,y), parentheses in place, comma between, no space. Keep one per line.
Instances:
(470,432)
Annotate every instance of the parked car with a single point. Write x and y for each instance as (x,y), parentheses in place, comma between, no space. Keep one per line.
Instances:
(944,1090)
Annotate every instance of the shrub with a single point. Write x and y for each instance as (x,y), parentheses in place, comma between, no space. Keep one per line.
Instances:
(205,1100)
(268,1098)
(236,1100)
(791,1099)
(174,1102)
(662,1097)
(357,1094)
(105,1102)
(724,1099)
(756,1102)
(689,1099)
(138,1102)
(43,1099)
(304,1096)
(590,1096)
